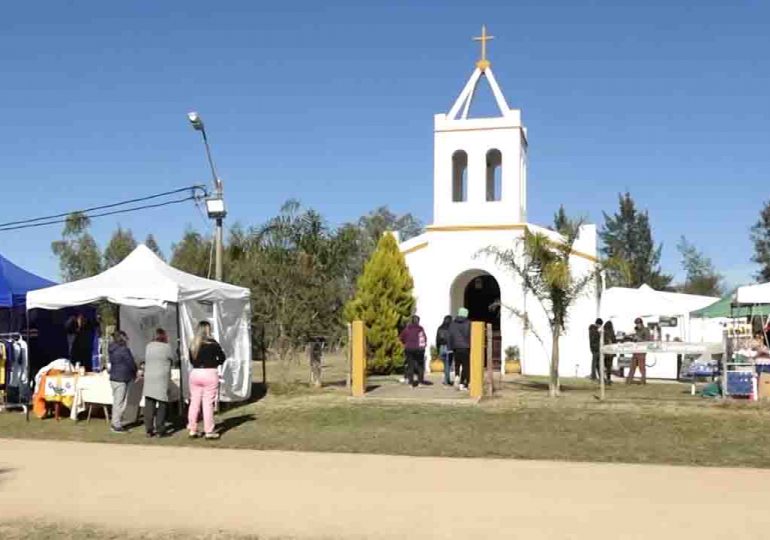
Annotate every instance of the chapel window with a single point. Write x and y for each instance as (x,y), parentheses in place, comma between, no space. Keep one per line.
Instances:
(494,175)
(460,176)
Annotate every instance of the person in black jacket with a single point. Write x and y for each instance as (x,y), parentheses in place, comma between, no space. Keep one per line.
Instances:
(122,374)
(594,342)
(206,358)
(460,345)
(609,339)
(444,352)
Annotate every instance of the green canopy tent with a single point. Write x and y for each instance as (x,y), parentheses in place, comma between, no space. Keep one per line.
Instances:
(725,308)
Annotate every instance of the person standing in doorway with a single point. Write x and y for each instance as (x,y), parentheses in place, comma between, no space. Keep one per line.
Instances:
(442,344)
(594,342)
(122,374)
(158,359)
(206,358)
(609,339)
(641,335)
(460,345)
(414,340)
(81,349)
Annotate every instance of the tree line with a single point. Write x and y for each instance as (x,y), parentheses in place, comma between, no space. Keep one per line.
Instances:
(301,270)
(304,273)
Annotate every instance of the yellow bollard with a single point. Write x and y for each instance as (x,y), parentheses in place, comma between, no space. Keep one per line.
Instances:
(358,367)
(476,382)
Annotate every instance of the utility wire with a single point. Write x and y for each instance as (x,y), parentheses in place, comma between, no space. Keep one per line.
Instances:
(27,224)
(193,189)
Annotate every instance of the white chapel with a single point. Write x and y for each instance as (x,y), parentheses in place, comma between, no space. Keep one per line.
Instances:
(480,200)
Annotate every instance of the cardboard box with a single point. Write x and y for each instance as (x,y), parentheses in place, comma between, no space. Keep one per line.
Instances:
(764,386)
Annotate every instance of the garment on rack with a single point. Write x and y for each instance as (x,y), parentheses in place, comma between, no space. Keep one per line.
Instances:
(3,365)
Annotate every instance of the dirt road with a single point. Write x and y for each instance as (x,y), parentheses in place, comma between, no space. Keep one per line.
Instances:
(364,496)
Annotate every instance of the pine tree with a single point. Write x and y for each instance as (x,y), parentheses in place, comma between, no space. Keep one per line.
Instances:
(760,236)
(153,245)
(121,245)
(384,302)
(561,221)
(701,276)
(627,239)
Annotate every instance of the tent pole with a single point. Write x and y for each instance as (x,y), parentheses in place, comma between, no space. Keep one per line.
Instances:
(179,355)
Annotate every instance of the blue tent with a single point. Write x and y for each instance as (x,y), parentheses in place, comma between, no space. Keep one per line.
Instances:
(15,282)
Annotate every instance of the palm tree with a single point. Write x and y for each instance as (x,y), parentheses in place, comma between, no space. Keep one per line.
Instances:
(546,274)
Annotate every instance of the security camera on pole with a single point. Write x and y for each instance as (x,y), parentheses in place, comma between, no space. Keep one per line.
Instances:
(215,204)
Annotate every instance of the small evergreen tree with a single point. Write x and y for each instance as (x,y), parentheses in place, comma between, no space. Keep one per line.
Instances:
(384,302)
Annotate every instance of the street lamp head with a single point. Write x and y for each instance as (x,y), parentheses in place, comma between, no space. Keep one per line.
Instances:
(195,120)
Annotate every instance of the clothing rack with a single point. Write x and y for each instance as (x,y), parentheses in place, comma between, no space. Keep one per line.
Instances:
(5,405)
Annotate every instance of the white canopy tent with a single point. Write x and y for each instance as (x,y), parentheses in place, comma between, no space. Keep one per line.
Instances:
(625,304)
(151,293)
(753,294)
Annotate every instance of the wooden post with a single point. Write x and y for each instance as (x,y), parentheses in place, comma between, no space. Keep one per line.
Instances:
(490,372)
(477,360)
(358,368)
(349,354)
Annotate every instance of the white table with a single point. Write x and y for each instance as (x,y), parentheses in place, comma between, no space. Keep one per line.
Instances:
(95,389)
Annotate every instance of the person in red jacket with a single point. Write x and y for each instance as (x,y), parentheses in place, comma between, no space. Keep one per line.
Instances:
(415,340)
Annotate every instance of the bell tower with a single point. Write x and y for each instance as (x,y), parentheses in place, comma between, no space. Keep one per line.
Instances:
(480,164)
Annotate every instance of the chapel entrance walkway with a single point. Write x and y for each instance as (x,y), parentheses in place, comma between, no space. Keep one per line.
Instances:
(390,389)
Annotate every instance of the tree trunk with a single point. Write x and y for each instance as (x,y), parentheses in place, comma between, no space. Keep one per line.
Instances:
(553,383)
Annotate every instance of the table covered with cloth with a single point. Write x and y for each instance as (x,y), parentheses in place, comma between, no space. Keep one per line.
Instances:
(60,388)
(95,388)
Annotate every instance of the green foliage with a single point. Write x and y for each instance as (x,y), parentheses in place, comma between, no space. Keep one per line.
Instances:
(627,240)
(153,245)
(545,273)
(561,221)
(295,267)
(366,234)
(384,302)
(512,352)
(701,276)
(78,254)
(193,254)
(121,245)
(760,237)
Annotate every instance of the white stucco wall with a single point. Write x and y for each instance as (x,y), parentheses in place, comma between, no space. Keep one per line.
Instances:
(438,258)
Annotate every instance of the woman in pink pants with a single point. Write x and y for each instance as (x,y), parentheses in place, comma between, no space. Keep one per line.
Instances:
(206,356)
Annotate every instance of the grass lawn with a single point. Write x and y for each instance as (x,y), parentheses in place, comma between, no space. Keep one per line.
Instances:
(657,423)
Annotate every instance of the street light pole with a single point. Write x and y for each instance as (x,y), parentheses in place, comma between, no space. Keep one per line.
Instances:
(215,205)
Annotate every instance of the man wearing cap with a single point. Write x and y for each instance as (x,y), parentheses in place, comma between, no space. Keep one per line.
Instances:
(460,345)
(641,334)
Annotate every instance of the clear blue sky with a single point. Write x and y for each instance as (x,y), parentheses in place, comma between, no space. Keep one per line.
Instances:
(332,103)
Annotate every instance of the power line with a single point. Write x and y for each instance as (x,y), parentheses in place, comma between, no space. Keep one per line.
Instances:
(192,189)
(27,225)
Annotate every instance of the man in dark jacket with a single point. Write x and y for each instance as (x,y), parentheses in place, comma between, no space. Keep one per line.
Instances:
(415,340)
(594,341)
(122,374)
(460,345)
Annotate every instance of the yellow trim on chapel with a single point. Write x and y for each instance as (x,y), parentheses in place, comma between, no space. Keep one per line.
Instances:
(453,228)
(500,227)
(412,249)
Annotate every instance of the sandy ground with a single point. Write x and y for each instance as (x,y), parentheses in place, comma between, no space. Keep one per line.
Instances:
(310,495)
